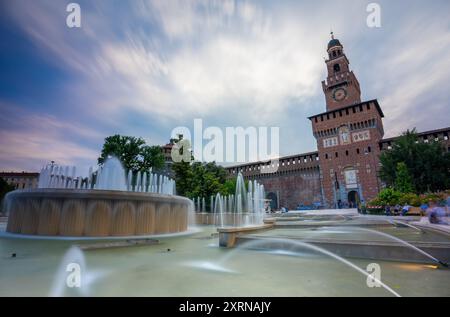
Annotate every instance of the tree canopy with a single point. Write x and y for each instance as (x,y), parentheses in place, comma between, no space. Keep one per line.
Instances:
(133,152)
(199,179)
(426,165)
(4,189)
(403,180)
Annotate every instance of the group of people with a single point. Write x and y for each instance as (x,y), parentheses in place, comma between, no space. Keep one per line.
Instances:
(346,204)
(397,210)
(436,213)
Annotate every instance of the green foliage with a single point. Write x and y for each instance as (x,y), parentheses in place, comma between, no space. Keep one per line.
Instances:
(403,180)
(202,180)
(428,164)
(375,202)
(389,196)
(437,197)
(414,200)
(132,152)
(183,176)
(152,156)
(229,187)
(4,189)
(409,199)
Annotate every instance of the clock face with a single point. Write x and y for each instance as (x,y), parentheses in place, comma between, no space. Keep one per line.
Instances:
(339,94)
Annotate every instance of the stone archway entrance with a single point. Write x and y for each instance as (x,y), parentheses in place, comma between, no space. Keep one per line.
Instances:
(273,200)
(353,199)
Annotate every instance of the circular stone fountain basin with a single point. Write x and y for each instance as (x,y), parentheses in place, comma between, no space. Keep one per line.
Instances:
(95,213)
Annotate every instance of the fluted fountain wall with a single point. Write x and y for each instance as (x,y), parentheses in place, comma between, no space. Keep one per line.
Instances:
(95,213)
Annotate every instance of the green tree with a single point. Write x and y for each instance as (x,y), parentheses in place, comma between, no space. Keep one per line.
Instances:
(403,180)
(229,187)
(4,189)
(183,175)
(132,152)
(152,156)
(428,164)
(198,179)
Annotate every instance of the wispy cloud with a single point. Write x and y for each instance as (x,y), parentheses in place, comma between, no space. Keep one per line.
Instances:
(144,67)
(29,140)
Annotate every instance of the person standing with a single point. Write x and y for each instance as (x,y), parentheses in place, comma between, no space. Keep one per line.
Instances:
(387,210)
(423,209)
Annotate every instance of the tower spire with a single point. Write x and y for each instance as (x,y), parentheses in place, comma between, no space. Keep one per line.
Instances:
(341,87)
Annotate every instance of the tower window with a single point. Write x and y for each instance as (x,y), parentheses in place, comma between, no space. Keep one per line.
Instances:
(336,68)
(346,153)
(339,52)
(369,149)
(357,151)
(336,154)
(334,53)
(368,106)
(326,156)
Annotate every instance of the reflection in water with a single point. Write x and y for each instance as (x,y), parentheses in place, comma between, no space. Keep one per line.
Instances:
(208,266)
(63,279)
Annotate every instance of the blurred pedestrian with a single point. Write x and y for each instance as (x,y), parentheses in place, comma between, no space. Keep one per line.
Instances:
(387,210)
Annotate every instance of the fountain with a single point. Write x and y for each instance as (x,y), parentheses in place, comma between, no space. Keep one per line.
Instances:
(106,203)
(243,209)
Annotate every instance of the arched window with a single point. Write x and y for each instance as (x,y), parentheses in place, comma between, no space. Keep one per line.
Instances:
(336,68)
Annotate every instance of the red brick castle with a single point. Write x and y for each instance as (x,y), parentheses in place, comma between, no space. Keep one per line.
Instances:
(349,137)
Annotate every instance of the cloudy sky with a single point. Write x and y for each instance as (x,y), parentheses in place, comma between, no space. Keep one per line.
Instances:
(142,68)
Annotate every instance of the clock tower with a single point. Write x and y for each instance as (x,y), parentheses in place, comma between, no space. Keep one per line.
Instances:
(341,88)
(348,134)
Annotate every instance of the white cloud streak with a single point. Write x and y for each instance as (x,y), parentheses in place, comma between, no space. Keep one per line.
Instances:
(237,61)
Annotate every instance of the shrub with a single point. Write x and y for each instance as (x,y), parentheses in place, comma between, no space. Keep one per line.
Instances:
(389,196)
(410,199)
(434,197)
(376,202)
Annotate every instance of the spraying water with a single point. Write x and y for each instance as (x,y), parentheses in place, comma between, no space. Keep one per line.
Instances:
(221,266)
(407,244)
(111,176)
(244,208)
